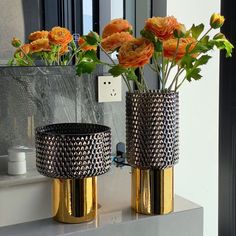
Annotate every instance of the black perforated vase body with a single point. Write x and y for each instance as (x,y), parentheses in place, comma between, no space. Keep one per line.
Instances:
(152,139)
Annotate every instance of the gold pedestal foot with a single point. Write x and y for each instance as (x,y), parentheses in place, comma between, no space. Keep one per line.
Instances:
(152,191)
(74,200)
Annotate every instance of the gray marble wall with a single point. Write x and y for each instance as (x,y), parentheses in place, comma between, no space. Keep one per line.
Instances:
(35,96)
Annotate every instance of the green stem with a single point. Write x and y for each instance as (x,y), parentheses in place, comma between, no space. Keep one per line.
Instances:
(27,57)
(152,68)
(179,72)
(205,34)
(158,69)
(180,83)
(162,70)
(172,62)
(144,85)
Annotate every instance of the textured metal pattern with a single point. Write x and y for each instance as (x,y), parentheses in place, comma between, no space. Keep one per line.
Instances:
(73,150)
(152,129)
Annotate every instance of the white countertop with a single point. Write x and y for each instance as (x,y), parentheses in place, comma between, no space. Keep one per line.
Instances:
(186,220)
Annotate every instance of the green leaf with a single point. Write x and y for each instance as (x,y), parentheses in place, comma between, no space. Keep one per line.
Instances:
(92,55)
(91,40)
(117,70)
(202,60)
(200,48)
(148,35)
(224,44)
(229,48)
(95,35)
(205,40)
(85,67)
(193,73)
(130,75)
(187,61)
(55,48)
(197,30)
(158,46)
(73,45)
(10,62)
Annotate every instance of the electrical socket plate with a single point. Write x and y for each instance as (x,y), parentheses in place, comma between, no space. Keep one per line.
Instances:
(109,88)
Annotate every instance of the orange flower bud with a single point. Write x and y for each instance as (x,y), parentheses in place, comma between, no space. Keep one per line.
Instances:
(170,48)
(216,20)
(94,35)
(38,35)
(116,26)
(135,53)
(162,27)
(16,42)
(113,42)
(40,45)
(60,36)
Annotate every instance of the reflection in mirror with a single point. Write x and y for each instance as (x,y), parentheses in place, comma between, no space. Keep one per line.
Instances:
(87,16)
(21,17)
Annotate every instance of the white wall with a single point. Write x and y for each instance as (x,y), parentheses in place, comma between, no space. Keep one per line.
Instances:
(196,175)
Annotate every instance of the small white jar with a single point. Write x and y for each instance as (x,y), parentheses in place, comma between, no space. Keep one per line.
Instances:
(17,160)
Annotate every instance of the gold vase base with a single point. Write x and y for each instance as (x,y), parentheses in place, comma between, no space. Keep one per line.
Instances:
(152,191)
(75,200)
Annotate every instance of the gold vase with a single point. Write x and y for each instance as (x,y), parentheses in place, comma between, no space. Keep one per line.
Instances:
(74,200)
(152,191)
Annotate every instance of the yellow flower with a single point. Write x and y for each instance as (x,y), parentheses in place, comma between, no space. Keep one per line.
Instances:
(16,42)
(216,20)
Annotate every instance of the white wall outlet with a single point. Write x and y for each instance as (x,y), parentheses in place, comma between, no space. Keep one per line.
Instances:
(109,89)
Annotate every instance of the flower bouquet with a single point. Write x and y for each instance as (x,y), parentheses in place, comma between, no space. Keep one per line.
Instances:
(176,55)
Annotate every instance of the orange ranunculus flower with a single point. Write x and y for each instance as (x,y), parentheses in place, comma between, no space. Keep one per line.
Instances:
(170,47)
(40,45)
(63,50)
(111,43)
(85,46)
(135,53)
(38,35)
(23,50)
(162,27)
(116,26)
(216,21)
(60,36)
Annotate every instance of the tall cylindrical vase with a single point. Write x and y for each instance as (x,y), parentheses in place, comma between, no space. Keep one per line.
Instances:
(152,139)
